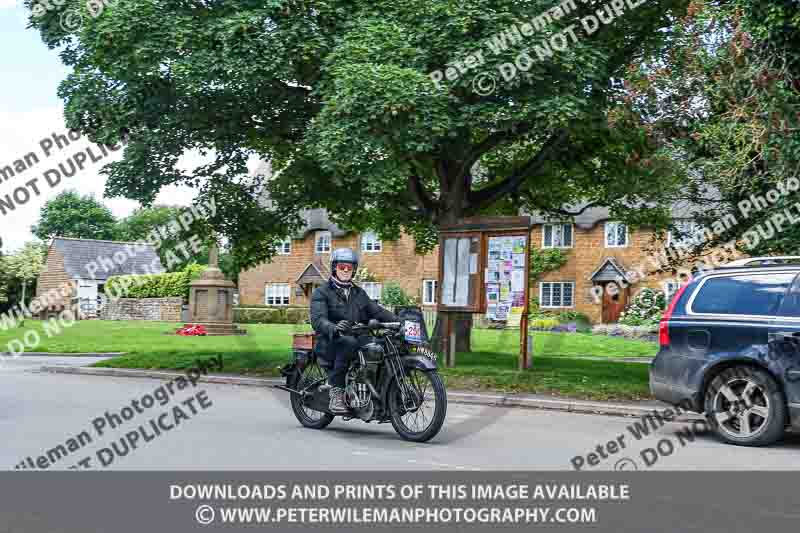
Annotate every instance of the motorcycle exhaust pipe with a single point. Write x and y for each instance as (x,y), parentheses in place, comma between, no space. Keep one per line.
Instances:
(287,389)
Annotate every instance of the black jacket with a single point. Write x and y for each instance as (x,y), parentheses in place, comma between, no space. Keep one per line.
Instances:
(328,306)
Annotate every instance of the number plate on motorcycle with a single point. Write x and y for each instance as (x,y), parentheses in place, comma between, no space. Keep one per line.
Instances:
(413,332)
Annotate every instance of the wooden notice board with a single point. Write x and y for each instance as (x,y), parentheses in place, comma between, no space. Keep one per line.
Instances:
(473,277)
(459,265)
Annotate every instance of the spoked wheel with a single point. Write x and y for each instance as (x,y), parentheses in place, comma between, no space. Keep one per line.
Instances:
(745,406)
(310,418)
(418,414)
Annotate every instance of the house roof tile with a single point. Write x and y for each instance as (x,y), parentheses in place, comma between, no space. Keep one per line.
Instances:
(79,254)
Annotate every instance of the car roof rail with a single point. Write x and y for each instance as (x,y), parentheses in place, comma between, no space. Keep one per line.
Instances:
(781,260)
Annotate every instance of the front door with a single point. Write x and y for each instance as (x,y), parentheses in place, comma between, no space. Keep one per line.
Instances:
(614,301)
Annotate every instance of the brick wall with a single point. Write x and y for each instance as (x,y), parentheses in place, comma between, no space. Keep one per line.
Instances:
(395,262)
(589,253)
(398,262)
(160,309)
(54,277)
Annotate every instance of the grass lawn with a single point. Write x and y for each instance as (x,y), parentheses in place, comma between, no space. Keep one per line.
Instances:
(491,365)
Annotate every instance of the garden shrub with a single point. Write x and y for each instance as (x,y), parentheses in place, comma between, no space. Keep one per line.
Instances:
(644,332)
(562,317)
(297,315)
(645,309)
(544,323)
(393,294)
(167,285)
(270,315)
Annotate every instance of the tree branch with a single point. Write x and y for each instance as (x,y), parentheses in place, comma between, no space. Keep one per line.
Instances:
(486,196)
(562,211)
(417,190)
(493,141)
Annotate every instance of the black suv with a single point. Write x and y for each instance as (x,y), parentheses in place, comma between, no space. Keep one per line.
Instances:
(730,348)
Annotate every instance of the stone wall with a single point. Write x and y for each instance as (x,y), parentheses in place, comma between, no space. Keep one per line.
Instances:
(161,309)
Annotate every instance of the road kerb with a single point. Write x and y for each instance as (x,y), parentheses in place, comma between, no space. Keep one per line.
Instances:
(463,397)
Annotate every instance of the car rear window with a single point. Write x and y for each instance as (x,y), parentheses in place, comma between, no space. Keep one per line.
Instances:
(747,294)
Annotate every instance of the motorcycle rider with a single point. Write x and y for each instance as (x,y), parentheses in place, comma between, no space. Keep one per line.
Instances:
(335,308)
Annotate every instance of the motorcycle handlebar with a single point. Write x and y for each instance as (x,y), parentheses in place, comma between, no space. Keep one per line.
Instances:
(385,325)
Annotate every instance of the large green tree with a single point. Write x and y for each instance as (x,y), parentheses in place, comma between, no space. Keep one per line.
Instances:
(72,215)
(338,94)
(140,224)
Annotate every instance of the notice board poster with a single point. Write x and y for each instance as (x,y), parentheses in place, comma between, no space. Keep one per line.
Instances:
(505,277)
(459,268)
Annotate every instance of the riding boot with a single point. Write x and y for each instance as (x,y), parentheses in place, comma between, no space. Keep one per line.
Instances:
(337,405)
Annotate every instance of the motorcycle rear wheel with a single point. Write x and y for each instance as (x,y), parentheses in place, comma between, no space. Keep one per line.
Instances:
(310,418)
(422,423)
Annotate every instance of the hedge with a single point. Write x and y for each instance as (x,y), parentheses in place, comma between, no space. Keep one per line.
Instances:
(168,285)
(270,315)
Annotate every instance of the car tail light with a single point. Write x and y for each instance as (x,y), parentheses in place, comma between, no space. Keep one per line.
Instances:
(663,326)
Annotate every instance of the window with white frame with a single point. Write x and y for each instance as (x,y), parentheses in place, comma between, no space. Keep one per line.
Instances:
(686,233)
(373,290)
(556,293)
(670,288)
(370,242)
(322,242)
(276,294)
(557,236)
(285,247)
(429,292)
(616,235)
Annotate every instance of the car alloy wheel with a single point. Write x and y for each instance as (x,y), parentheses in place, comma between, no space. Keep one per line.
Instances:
(742,408)
(745,406)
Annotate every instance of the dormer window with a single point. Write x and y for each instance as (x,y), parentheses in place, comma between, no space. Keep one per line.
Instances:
(370,242)
(322,242)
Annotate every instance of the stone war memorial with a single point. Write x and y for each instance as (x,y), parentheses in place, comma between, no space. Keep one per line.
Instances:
(211,299)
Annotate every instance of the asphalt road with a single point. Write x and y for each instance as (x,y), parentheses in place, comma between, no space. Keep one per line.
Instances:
(250,428)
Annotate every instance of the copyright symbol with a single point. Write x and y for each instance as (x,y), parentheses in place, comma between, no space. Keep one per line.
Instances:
(625,464)
(204,515)
(484,84)
(71,20)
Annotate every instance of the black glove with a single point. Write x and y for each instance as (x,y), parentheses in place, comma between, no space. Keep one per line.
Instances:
(374,323)
(343,327)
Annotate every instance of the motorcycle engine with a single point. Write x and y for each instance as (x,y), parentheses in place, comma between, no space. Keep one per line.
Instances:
(357,395)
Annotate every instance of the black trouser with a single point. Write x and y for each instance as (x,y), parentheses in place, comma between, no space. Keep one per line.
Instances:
(343,349)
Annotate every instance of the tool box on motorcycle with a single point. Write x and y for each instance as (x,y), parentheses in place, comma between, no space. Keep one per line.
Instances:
(303,341)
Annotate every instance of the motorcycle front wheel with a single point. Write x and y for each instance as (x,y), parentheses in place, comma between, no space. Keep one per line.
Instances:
(305,415)
(419,415)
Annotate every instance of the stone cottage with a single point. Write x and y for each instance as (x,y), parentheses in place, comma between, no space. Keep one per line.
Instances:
(86,264)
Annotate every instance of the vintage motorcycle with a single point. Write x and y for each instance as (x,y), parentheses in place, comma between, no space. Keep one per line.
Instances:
(393,379)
